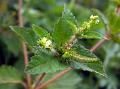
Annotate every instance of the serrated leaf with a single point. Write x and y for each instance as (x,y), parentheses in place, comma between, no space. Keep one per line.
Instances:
(68,15)
(9,75)
(70,18)
(82,58)
(41,32)
(65,27)
(92,35)
(44,62)
(27,34)
(96,67)
(62,32)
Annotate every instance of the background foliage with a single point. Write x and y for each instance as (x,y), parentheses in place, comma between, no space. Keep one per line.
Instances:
(45,13)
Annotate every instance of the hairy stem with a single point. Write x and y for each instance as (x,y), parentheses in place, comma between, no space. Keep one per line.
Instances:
(71,42)
(25,53)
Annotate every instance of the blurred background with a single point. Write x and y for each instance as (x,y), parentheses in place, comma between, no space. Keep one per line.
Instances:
(45,13)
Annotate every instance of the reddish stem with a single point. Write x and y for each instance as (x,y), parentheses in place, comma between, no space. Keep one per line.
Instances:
(25,53)
(56,77)
(100,42)
(39,79)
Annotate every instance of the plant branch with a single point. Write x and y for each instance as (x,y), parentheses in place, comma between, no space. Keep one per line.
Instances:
(56,77)
(20,20)
(38,80)
(97,45)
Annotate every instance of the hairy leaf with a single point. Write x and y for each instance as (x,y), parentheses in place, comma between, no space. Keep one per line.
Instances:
(44,62)
(9,75)
(82,58)
(96,67)
(65,27)
(68,15)
(62,32)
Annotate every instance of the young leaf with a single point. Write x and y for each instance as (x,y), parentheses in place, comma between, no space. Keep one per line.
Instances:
(70,18)
(82,58)
(68,15)
(41,32)
(27,34)
(9,75)
(65,28)
(44,62)
(62,32)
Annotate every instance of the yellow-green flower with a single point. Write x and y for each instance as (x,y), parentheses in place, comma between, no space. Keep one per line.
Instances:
(44,42)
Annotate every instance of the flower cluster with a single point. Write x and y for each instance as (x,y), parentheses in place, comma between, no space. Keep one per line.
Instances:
(45,43)
(94,19)
(88,24)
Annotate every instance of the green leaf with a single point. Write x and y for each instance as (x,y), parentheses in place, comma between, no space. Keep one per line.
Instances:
(64,28)
(44,62)
(27,34)
(62,32)
(41,32)
(96,67)
(68,15)
(92,35)
(70,18)
(9,75)
(82,58)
